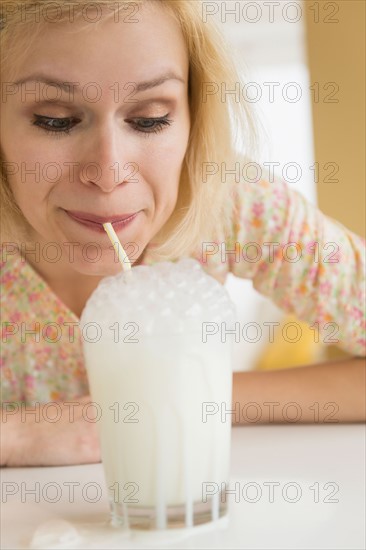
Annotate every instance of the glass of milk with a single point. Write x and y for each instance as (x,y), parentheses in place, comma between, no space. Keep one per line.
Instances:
(160,373)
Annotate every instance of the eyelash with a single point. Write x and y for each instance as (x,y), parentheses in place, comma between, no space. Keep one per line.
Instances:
(160,124)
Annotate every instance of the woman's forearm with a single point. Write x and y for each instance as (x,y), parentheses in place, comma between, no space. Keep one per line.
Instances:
(15,437)
(27,439)
(329,392)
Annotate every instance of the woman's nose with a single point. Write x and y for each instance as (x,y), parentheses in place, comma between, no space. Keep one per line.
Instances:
(106,162)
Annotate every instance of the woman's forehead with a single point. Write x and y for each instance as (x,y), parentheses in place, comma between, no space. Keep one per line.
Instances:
(113,50)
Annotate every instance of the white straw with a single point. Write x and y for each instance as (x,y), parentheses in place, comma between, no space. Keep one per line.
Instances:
(122,256)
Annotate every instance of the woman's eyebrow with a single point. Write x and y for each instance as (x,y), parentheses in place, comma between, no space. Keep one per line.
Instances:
(67,86)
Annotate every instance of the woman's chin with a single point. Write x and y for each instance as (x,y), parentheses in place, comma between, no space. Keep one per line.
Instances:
(103,267)
(97,269)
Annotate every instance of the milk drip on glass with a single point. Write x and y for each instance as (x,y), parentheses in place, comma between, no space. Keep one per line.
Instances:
(160,373)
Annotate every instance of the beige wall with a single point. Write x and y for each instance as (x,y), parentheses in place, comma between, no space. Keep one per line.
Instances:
(336,53)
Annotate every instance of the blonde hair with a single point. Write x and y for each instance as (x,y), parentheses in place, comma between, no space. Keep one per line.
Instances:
(204,209)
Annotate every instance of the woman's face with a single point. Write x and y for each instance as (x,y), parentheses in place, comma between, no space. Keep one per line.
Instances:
(90,149)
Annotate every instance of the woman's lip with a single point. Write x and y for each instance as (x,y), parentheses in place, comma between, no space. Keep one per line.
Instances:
(98,226)
(85,216)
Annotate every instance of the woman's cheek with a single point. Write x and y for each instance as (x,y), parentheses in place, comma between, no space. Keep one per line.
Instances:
(35,170)
(171,156)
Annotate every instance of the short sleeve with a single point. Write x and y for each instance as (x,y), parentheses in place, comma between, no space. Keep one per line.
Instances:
(307,263)
(41,357)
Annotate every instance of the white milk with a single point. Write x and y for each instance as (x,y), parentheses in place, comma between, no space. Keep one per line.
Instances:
(155,379)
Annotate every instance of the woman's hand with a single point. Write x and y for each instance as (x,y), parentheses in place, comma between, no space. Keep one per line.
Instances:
(28,439)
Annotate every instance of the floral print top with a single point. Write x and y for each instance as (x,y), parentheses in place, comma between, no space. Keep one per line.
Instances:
(307,263)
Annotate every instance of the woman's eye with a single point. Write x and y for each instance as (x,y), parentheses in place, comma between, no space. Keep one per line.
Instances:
(63,126)
(55,125)
(150,125)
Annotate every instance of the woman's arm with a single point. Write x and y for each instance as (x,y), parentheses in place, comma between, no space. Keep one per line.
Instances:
(326,393)
(26,440)
(307,263)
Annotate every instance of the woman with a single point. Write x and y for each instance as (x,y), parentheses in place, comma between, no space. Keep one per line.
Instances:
(110,113)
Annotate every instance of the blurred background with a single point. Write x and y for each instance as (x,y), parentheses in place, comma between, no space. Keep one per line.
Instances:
(307,61)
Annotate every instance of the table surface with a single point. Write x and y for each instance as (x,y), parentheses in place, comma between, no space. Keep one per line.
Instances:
(297,486)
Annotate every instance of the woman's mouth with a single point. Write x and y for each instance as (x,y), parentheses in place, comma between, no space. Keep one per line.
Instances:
(95,222)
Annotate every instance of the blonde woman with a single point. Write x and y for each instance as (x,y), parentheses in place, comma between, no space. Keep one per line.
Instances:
(109,113)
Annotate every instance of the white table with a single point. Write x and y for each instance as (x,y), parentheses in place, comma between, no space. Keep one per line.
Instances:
(317,474)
